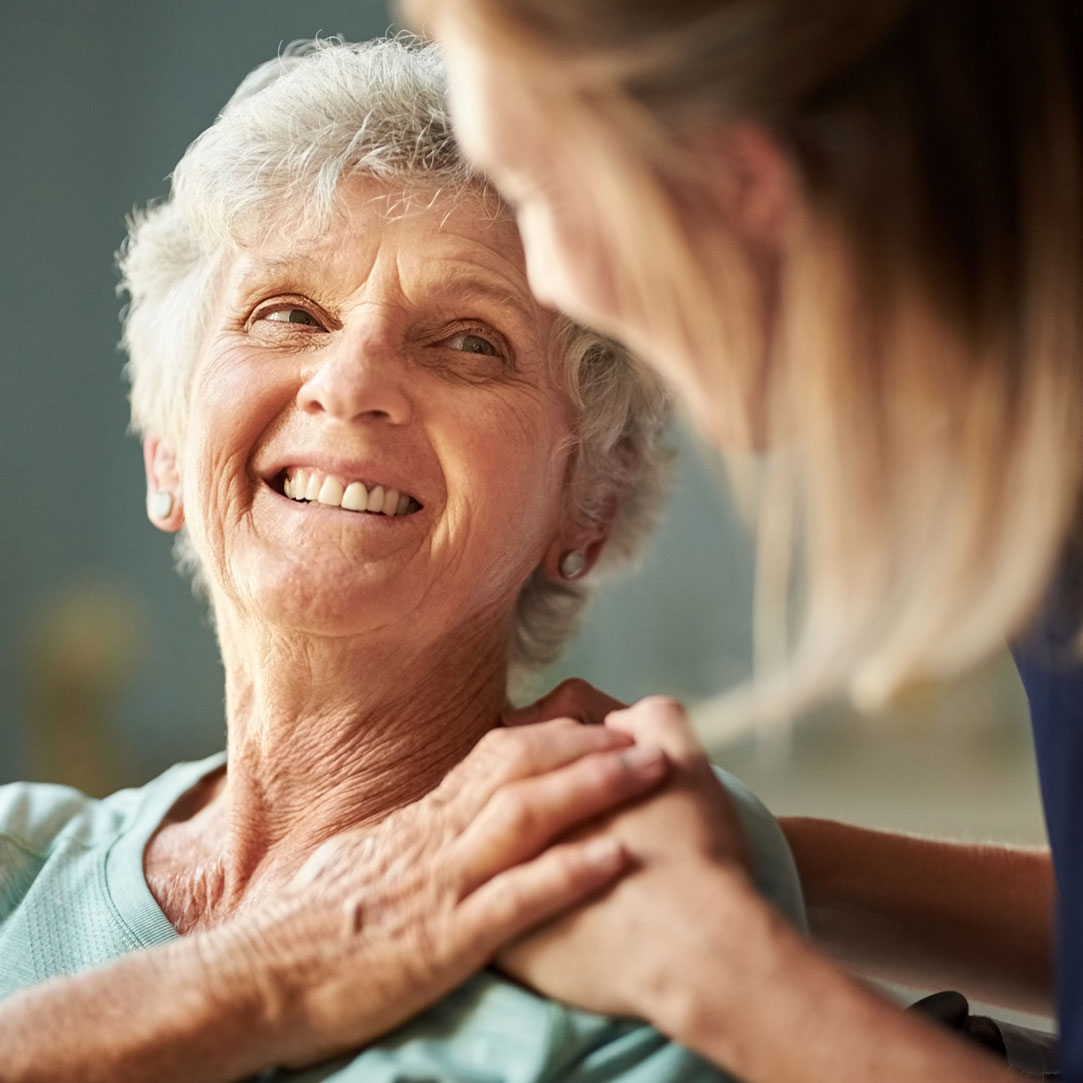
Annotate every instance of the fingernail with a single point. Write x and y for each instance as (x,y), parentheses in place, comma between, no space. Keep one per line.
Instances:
(604,853)
(644,759)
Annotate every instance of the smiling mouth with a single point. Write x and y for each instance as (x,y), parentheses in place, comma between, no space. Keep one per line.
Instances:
(307,486)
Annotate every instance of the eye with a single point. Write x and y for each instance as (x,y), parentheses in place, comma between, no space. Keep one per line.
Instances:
(471,342)
(290,314)
(290,322)
(473,351)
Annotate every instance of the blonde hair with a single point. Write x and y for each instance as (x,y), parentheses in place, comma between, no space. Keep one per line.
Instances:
(274,159)
(925,370)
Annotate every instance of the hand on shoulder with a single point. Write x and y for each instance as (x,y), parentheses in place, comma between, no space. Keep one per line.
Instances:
(618,954)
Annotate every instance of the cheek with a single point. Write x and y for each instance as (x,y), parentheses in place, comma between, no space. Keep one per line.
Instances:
(568,267)
(216,491)
(506,480)
(236,397)
(231,409)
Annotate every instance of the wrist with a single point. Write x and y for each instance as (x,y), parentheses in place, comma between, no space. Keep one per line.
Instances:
(234,1012)
(277,977)
(763,1003)
(157,1014)
(720,941)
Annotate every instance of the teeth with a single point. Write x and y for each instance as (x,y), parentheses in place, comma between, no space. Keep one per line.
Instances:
(316,488)
(356,497)
(331,492)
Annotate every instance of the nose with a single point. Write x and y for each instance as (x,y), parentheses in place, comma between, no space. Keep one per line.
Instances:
(357,379)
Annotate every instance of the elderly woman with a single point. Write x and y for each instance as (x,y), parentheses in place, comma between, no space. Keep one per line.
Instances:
(389,469)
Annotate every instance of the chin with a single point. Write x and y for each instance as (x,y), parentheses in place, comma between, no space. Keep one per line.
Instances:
(321,600)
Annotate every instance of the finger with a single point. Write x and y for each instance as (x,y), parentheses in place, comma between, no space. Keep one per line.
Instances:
(523,818)
(573,698)
(662,721)
(509,905)
(503,756)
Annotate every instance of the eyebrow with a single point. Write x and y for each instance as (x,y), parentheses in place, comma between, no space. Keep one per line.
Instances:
(293,266)
(458,285)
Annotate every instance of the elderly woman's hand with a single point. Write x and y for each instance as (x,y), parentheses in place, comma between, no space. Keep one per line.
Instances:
(381,923)
(620,953)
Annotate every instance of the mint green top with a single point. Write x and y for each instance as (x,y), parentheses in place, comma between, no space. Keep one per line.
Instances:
(73,895)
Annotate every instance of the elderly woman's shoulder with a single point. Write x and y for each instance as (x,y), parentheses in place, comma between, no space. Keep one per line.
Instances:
(39,818)
(72,890)
(36,817)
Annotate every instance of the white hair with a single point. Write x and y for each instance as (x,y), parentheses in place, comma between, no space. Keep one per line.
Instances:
(275,158)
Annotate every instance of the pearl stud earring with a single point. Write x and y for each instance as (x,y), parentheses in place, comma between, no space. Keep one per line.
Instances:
(160,504)
(573,564)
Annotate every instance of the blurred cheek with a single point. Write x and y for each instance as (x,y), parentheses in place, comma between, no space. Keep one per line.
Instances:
(543,263)
(566,267)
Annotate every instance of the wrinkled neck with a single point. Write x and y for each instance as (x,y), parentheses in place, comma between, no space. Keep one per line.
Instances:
(325,735)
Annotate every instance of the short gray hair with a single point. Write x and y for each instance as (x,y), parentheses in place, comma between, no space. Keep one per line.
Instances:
(296,126)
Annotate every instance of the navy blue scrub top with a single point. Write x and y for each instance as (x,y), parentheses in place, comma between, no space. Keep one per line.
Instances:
(1052,674)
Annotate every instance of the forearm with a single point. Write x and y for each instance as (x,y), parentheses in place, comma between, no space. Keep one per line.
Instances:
(929,913)
(761,1002)
(152,1015)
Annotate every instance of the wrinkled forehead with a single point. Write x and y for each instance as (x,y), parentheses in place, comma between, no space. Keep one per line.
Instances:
(307,209)
(422,227)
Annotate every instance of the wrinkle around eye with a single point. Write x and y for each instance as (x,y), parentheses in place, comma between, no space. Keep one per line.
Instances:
(467,366)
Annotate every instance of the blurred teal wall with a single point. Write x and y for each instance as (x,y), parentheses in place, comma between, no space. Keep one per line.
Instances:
(101,645)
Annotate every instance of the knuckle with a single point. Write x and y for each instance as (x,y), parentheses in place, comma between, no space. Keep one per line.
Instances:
(451,783)
(657,713)
(500,754)
(514,813)
(492,739)
(516,760)
(507,905)
(665,706)
(569,872)
(601,771)
(573,869)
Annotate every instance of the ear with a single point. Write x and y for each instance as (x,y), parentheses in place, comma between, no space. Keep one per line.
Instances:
(589,541)
(165,506)
(754,184)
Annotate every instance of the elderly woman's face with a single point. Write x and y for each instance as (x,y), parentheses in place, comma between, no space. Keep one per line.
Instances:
(398,364)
